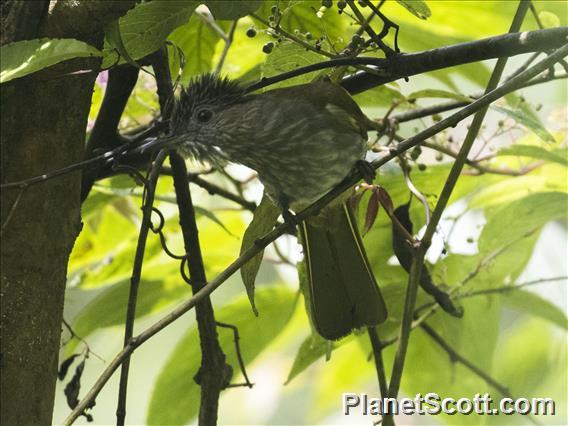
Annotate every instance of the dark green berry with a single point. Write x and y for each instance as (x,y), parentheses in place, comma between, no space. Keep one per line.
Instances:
(421,167)
(437,117)
(309,36)
(362,3)
(439,157)
(251,32)
(327,3)
(274,9)
(356,39)
(341,5)
(415,153)
(267,48)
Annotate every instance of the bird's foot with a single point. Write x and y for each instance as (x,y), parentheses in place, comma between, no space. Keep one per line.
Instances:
(367,171)
(290,220)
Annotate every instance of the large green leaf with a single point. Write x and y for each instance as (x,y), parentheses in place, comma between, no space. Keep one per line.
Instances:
(156,291)
(175,399)
(530,122)
(532,363)
(145,27)
(286,57)
(232,9)
(511,221)
(28,56)
(311,349)
(262,222)
(385,96)
(418,8)
(532,304)
(197,41)
(429,368)
(534,151)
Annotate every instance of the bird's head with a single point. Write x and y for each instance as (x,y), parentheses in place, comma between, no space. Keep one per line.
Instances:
(204,119)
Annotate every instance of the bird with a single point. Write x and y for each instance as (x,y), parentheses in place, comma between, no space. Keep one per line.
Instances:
(302,141)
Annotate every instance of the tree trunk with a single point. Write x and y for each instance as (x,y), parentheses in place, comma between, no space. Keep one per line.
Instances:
(43,120)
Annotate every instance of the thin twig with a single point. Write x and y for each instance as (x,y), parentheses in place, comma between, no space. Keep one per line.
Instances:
(13,209)
(507,288)
(209,20)
(145,226)
(79,338)
(415,191)
(456,357)
(228,43)
(238,352)
(485,169)
(213,189)
(369,30)
(378,357)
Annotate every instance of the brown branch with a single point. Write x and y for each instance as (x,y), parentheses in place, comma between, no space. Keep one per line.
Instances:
(214,374)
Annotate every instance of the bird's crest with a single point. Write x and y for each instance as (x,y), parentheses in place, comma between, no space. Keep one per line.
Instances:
(209,89)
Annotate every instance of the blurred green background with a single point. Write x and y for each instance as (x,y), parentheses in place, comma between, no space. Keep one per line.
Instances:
(517,337)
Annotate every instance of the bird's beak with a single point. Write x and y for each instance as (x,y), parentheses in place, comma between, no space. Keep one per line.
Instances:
(155,144)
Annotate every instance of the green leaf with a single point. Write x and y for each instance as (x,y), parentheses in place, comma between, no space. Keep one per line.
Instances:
(301,16)
(530,122)
(532,304)
(549,19)
(512,220)
(435,93)
(145,27)
(28,56)
(384,95)
(114,38)
(156,292)
(418,8)
(533,151)
(288,56)
(197,41)
(108,193)
(262,222)
(529,357)
(175,399)
(232,9)
(311,349)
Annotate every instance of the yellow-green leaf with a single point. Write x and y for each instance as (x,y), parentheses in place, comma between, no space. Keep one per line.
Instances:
(28,56)
(262,222)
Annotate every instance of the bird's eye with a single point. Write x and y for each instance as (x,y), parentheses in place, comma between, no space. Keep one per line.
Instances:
(204,115)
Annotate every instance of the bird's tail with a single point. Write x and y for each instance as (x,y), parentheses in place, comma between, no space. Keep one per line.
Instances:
(344,294)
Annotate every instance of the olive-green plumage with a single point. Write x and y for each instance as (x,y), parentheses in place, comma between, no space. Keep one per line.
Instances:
(302,141)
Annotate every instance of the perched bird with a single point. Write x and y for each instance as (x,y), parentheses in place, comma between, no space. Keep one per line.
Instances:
(302,141)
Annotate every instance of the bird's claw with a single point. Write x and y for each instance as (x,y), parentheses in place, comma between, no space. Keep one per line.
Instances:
(290,220)
(366,170)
